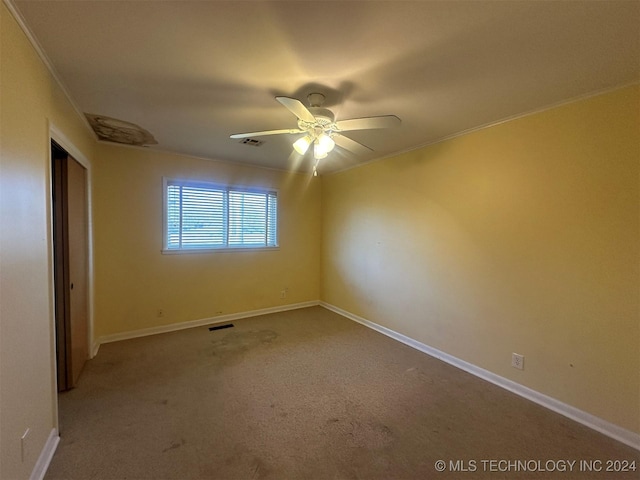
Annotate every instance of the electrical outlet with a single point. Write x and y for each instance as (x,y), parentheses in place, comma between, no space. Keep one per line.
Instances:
(283,293)
(517,361)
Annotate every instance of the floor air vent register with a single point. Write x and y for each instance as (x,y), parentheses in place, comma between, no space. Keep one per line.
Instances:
(220,327)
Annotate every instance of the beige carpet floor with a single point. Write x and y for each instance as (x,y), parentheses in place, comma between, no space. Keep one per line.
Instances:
(306,394)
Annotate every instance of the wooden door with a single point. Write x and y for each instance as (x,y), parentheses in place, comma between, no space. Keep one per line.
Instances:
(78,302)
(70,265)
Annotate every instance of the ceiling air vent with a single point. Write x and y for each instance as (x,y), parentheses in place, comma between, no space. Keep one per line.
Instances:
(251,141)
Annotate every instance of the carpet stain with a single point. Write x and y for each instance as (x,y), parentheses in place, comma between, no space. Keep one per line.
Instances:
(175,445)
(420,374)
(368,434)
(236,347)
(259,468)
(236,342)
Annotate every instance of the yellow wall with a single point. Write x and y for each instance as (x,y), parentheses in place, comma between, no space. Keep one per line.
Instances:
(133,279)
(29,99)
(523,237)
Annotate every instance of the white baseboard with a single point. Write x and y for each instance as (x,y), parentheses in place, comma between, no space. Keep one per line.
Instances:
(94,349)
(609,429)
(116,337)
(46,455)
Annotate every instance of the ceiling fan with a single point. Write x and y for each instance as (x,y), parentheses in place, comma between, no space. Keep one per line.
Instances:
(321,129)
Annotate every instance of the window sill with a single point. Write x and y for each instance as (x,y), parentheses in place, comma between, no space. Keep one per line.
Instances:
(189,251)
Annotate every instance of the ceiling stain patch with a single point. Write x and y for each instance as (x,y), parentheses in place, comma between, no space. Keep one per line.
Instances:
(119,131)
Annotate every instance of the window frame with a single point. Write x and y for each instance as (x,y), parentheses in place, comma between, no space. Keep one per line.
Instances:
(218,186)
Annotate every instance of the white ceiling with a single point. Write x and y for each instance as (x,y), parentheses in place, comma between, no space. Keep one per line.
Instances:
(194,72)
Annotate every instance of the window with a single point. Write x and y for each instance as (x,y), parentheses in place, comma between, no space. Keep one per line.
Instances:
(207,216)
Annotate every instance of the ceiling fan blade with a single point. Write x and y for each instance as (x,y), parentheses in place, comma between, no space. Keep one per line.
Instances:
(366,123)
(266,132)
(351,145)
(296,107)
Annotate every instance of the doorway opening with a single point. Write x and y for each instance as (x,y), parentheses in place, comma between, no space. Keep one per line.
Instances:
(70,265)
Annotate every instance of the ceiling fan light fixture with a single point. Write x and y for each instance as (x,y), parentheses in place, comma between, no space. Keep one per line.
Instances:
(318,126)
(302,144)
(326,142)
(322,146)
(318,152)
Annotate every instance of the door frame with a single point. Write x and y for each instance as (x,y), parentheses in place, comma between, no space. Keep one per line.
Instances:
(55,134)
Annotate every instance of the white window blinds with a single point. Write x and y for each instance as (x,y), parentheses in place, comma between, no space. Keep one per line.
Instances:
(208,216)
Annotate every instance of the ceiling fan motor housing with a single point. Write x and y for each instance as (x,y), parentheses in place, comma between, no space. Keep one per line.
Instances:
(323,116)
